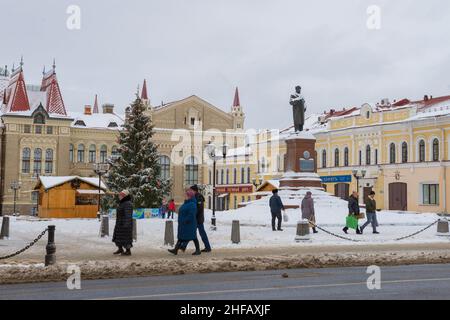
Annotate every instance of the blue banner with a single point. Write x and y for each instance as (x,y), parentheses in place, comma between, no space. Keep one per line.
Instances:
(337,179)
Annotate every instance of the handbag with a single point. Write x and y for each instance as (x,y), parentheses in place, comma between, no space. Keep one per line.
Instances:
(360,216)
(351,222)
(285,217)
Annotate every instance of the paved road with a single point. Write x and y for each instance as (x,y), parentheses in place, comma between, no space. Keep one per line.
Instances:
(399,282)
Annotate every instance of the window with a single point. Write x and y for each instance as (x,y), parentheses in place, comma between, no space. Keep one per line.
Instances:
(376,156)
(404,152)
(112,125)
(80,154)
(164,162)
(392,153)
(192,121)
(103,153)
(49,130)
(26,157)
(360,157)
(222,176)
(217,177)
(368,154)
(27,128)
(336,157)
(242,175)
(48,161)
(39,119)
(324,158)
(191,169)
(234,176)
(92,152)
(248,175)
(430,194)
(435,150)
(346,163)
(38,129)
(80,123)
(37,161)
(228,176)
(114,152)
(263,165)
(368,115)
(71,158)
(235,202)
(421,151)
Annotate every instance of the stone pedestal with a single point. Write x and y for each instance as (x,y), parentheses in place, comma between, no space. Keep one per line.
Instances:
(301,162)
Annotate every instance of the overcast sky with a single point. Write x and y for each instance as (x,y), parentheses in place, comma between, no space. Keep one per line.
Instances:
(207,47)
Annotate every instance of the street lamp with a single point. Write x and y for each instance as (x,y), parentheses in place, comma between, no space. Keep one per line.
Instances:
(100,169)
(358,176)
(15,186)
(211,151)
(256,183)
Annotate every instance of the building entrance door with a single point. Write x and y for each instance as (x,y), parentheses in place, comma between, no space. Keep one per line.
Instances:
(398,196)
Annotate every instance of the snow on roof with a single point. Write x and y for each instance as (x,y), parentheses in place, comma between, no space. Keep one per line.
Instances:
(97,120)
(241,151)
(50,182)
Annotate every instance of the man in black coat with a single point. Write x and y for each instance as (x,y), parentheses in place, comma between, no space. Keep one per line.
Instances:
(123,230)
(201,218)
(353,209)
(276,205)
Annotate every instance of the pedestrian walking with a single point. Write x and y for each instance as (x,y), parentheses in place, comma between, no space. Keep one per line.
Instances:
(353,211)
(276,205)
(163,209)
(308,212)
(371,208)
(171,209)
(123,230)
(201,218)
(187,224)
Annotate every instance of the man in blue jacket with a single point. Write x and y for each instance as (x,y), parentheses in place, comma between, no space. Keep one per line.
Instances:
(276,205)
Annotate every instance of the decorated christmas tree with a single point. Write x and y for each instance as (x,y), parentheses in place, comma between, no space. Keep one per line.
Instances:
(136,168)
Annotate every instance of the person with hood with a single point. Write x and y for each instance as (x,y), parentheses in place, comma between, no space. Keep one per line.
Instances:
(187,224)
(123,230)
(201,218)
(276,205)
(308,210)
(353,210)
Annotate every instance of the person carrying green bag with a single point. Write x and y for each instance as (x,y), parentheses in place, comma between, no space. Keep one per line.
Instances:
(353,210)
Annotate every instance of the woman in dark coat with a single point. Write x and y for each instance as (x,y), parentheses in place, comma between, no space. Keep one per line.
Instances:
(308,212)
(187,224)
(123,231)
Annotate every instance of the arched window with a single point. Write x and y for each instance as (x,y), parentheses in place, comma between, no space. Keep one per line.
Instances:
(242,175)
(217,176)
(436,150)
(368,154)
(324,158)
(222,176)
(39,119)
(191,169)
(360,157)
(92,151)
(392,153)
(114,152)
(263,165)
(336,157)
(404,152)
(103,153)
(164,163)
(71,153)
(376,156)
(37,161)
(248,175)
(421,151)
(234,176)
(209,177)
(26,158)
(80,153)
(346,163)
(48,161)
(228,176)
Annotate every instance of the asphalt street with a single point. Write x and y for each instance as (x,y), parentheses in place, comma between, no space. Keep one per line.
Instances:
(397,282)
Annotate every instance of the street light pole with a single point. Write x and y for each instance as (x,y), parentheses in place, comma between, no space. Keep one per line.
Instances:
(15,185)
(100,169)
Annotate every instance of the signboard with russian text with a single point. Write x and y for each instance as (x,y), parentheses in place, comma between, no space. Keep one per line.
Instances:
(235,189)
(337,179)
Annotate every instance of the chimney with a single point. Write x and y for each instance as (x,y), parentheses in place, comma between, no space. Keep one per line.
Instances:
(108,108)
(425,98)
(87,109)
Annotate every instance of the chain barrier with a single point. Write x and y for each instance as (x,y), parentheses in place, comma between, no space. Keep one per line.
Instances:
(28,246)
(355,240)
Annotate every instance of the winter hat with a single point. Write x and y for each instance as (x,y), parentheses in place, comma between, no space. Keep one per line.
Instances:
(195,188)
(125,193)
(190,193)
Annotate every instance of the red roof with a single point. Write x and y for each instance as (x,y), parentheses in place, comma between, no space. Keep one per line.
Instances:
(429,102)
(15,96)
(333,113)
(236,102)
(144,94)
(55,102)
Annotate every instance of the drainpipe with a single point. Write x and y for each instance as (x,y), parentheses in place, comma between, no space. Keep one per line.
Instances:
(444,188)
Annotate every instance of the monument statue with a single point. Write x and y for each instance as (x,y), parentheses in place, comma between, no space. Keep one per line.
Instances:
(299,107)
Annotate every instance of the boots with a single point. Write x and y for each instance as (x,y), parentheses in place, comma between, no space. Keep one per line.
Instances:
(358,231)
(175,250)
(345,230)
(126,253)
(119,251)
(315,230)
(197,248)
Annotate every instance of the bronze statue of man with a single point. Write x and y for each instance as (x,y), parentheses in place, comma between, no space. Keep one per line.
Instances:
(299,108)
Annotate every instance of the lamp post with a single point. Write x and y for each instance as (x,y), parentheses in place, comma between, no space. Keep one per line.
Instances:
(15,186)
(358,175)
(211,151)
(100,169)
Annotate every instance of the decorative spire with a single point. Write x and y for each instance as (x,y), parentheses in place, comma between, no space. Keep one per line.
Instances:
(43,70)
(144,94)
(236,102)
(21,61)
(54,64)
(95,110)
(13,68)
